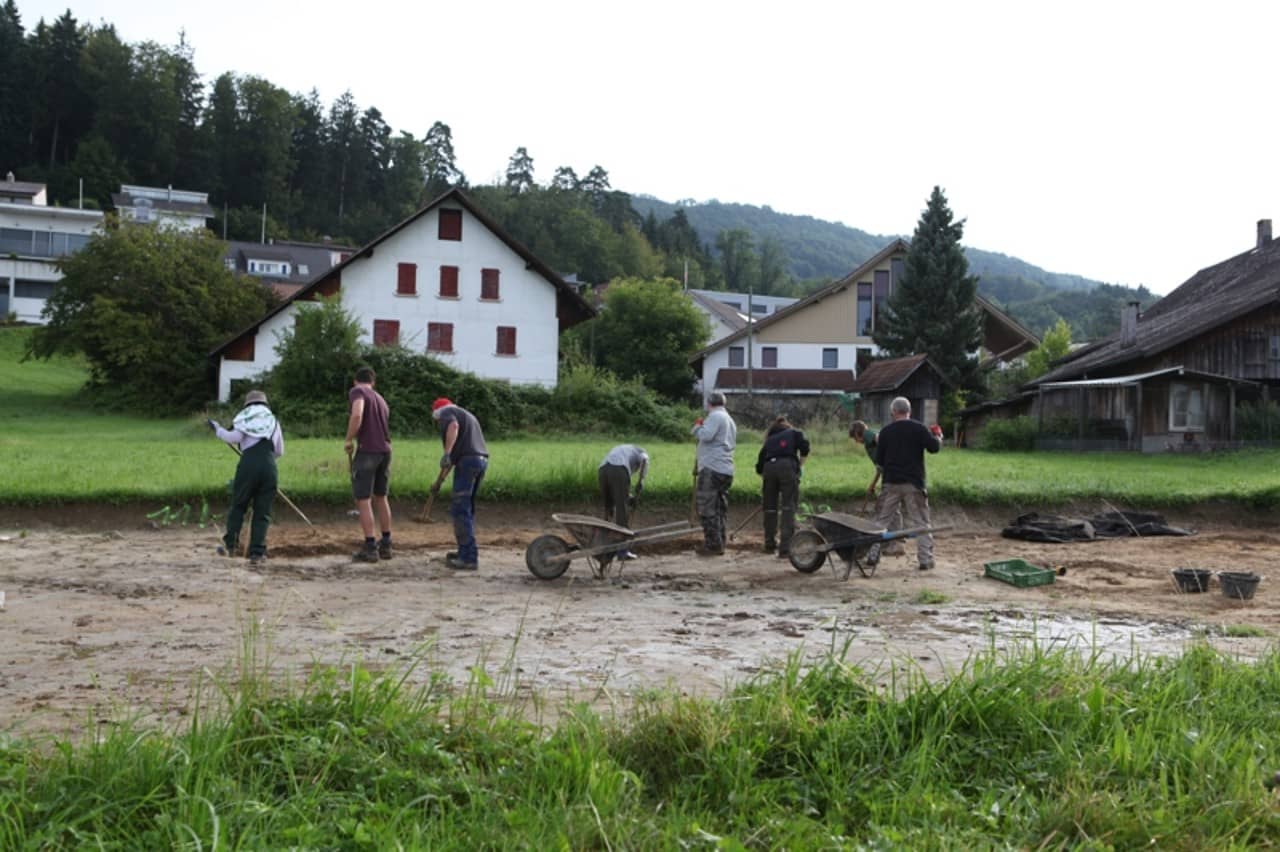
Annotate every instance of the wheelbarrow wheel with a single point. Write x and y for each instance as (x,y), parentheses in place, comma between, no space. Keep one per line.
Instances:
(540,552)
(805,551)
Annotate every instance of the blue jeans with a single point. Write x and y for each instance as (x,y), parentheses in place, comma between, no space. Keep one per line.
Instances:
(468,473)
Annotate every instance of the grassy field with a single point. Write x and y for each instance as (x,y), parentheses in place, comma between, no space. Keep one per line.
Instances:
(61,451)
(1026,750)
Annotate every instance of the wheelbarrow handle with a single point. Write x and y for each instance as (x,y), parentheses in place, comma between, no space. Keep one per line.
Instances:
(890,535)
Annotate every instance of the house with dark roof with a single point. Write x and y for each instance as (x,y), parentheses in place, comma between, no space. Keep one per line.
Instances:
(34,238)
(284,265)
(1172,376)
(914,377)
(448,281)
(818,345)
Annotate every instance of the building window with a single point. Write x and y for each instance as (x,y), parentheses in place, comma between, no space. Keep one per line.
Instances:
(241,350)
(406,279)
(449,282)
(386,332)
(230,263)
(737,306)
(882,290)
(768,356)
(303,270)
(1186,407)
(757,308)
(506,340)
(489,284)
(439,337)
(864,309)
(450,224)
(27,289)
(15,240)
(830,359)
(737,356)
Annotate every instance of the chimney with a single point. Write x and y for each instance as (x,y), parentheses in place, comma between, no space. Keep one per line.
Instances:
(1264,232)
(1129,324)
(170,192)
(10,179)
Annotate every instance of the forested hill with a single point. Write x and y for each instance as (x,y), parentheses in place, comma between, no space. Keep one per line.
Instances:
(817,250)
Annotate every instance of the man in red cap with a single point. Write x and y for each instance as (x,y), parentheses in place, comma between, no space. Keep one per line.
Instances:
(370,438)
(466,452)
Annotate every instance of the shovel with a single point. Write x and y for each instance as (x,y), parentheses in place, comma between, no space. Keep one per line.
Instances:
(425,517)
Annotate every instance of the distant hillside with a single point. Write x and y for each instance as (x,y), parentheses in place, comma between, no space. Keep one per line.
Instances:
(818,250)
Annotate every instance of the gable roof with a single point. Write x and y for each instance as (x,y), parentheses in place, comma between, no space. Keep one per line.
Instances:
(891,373)
(720,310)
(898,245)
(571,308)
(1212,297)
(1024,340)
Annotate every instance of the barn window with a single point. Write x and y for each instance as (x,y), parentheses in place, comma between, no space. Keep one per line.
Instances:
(768,356)
(439,337)
(506,340)
(406,279)
(1186,407)
(450,224)
(737,356)
(489,284)
(449,282)
(386,332)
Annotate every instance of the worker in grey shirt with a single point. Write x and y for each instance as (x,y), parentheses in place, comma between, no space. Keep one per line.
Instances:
(717,436)
(615,474)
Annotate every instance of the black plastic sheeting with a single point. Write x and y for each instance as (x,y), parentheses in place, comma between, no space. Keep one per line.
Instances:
(1054,528)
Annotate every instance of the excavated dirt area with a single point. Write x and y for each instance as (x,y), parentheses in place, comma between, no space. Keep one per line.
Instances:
(106,616)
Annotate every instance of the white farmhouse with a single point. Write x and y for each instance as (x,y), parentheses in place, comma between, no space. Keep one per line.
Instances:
(33,238)
(448,281)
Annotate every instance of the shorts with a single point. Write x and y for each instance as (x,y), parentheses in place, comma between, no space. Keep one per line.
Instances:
(370,475)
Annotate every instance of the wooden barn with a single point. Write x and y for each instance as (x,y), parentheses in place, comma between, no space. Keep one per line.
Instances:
(915,377)
(1172,376)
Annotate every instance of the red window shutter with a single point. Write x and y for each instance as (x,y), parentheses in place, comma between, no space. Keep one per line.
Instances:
(450,224)
(241,350)
(489,284)
(449,281)
(386,332)
(439,337)
(327,288)
(506,340)
(407,278)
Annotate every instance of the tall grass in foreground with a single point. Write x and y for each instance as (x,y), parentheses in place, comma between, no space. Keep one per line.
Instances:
(1032,749)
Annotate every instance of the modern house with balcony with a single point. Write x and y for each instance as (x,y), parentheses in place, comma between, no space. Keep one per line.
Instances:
(33,238)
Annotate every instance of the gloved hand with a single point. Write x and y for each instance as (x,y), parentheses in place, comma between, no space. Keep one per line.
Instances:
(936,430)
(213,425)
(444,461)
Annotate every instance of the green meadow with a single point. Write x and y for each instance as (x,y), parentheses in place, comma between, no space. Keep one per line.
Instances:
(62,451)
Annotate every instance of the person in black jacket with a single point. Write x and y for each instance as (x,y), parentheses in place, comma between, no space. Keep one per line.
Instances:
(900,454)
(784,451)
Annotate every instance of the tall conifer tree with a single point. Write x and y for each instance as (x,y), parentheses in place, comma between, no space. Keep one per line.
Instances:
(932,308)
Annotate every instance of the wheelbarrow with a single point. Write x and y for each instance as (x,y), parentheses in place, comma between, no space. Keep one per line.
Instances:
(598,541)
(850,537)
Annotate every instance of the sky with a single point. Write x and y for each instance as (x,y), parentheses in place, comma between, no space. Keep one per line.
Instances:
(1131,142)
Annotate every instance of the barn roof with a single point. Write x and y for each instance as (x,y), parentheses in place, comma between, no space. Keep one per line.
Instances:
(890,374)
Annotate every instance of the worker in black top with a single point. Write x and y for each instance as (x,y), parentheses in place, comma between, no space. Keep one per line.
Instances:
(784,451)
(900,454)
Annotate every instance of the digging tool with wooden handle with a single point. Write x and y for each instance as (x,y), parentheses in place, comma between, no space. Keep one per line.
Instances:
(748,520)
(425,517)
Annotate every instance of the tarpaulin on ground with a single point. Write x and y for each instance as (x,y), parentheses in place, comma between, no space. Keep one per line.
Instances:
(1054,528)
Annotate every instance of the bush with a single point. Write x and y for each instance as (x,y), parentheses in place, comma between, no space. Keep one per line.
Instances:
(1017,434)
(1258,421)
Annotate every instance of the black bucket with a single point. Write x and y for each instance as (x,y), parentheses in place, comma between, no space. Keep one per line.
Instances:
(1192,579)
(1238,584)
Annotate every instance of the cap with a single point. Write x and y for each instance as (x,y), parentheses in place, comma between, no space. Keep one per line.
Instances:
(440,403)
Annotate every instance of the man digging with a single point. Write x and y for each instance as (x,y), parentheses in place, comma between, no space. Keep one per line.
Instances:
(257,435)
(900,454)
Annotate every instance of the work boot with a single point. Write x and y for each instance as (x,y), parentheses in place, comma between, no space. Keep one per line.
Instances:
(368,553)
(458,565)
(873,556)
(257,559)
(769,547)
(384,549)
(627,554)
(926,566)
(709,551)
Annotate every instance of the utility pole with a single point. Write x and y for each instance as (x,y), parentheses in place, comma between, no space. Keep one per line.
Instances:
(264,223)
(750,334)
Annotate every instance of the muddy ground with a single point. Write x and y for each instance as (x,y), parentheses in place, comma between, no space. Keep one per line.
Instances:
(106,616)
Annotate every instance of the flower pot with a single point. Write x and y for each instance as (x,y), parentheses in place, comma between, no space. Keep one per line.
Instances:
(1238,584)
(1192,579)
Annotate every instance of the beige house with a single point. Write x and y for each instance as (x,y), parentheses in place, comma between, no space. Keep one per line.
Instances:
(819,345)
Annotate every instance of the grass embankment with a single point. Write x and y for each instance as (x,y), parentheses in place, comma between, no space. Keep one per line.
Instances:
(61,451)
(1034,750)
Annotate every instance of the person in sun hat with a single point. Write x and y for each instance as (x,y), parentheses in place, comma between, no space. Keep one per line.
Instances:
(256,433)
(368,446)
(466,452)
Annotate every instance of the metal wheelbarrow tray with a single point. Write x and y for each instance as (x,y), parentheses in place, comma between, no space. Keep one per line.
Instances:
(597,540)
(850,537)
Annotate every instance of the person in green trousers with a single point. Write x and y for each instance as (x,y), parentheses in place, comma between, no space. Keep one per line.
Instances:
(256,434)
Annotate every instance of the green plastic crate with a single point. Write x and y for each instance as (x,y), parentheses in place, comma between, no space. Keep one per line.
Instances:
(1019,572)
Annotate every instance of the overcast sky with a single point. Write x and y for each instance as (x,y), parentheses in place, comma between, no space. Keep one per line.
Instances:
(1130,142)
